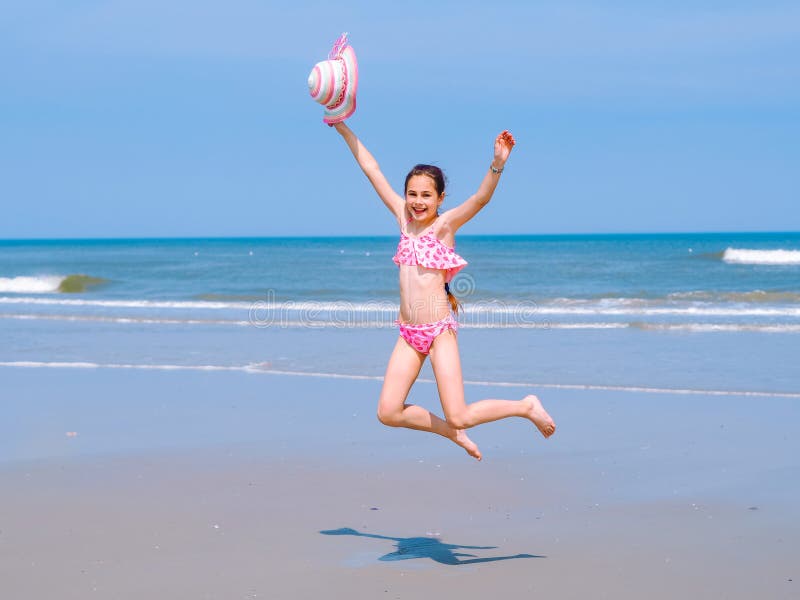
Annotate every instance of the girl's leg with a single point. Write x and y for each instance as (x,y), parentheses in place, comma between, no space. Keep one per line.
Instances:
(447,369)
(401,372)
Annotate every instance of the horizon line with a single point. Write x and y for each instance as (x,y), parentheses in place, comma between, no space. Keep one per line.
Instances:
(357,236)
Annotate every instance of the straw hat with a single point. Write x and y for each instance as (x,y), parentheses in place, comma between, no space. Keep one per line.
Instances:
(333,82)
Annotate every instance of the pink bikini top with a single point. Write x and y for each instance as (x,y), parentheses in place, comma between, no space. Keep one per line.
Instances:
(430,252)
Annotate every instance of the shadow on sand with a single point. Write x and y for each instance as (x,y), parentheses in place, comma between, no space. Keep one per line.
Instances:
(427,547)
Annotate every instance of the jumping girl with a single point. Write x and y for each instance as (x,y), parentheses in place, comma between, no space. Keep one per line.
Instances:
(427,261)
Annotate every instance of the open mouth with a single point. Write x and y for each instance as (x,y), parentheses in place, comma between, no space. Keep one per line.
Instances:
(418,211)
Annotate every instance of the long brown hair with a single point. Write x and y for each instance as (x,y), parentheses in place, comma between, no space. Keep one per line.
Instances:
(455,304)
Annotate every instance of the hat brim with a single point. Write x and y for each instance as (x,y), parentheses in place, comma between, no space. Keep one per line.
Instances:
(341,110)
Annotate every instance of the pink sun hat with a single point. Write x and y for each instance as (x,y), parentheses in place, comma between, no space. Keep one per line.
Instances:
(333,82)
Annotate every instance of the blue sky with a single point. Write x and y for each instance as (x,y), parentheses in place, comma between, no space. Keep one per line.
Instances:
(144,118)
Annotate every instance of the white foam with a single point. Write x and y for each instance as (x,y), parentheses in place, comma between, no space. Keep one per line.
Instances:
(635,308)
(293,323)
(722,327)
(257,306)
(123,320)
(541,324)
(390,324)
(745,256)
(42,284)
(517,314)
(263,368)
(123,303)
(759,296)
(92,365)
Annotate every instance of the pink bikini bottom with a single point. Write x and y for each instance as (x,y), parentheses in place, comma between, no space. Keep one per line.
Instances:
(420,337)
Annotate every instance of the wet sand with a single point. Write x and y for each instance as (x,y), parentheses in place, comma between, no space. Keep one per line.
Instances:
(130,484)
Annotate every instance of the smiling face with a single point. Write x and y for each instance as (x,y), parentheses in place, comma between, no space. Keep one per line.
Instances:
(422,200)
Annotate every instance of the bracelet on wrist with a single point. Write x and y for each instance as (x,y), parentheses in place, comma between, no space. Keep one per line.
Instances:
(495,170)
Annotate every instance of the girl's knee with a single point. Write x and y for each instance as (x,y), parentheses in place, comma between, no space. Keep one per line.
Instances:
(390,418)
(458,420)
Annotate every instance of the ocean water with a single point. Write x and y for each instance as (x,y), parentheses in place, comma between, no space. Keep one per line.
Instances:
(689,312)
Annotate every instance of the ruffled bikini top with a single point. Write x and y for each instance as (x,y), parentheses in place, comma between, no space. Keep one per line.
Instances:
(430,252)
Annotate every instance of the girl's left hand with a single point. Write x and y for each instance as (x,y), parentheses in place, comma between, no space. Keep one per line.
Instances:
(502,146)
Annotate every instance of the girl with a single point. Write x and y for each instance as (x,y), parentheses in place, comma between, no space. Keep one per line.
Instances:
(427,262)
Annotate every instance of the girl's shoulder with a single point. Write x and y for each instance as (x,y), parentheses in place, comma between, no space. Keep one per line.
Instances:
(443,231)
(444,227)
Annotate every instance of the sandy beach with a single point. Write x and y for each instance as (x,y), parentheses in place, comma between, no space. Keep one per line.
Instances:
(159,484)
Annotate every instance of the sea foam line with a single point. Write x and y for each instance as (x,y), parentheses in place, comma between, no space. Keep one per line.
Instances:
(123,320)
(263,368)
(31,285)
(124,303)
(746,256)
(522,312)
(48,284)
(309,323)
(465,322)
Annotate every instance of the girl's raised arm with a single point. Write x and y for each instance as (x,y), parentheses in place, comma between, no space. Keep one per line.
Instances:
(369,165)
(457,216)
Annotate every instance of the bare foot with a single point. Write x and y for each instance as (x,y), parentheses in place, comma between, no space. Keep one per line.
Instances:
(467,444)
(539,416)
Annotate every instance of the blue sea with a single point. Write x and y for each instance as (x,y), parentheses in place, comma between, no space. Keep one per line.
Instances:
(717,312)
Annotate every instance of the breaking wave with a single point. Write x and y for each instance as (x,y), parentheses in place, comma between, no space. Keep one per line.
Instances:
(745,256)
(49,284)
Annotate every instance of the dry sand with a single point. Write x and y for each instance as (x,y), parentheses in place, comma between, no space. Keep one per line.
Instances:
(228,485)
